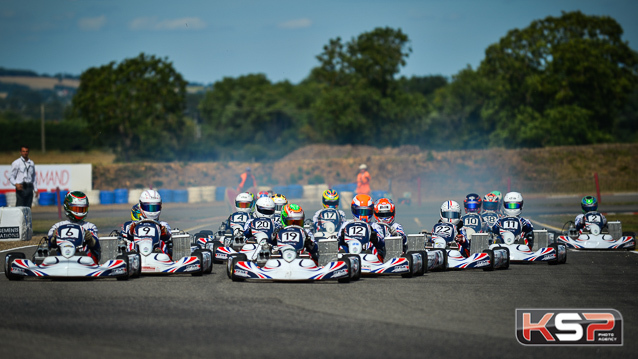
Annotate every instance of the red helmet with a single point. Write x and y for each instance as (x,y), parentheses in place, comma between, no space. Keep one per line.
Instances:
(362,207)
(384,211)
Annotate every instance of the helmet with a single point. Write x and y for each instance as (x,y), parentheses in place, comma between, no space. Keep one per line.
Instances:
(513,204)
(264,208)
(472,203)
(244,202)
(292,215)
(330,199)
(384,211)
(150,204)
(450,212)
(362,207)
(280,201)
(263,194)
(76,206)
(589,204)
(490,202)
(136,214)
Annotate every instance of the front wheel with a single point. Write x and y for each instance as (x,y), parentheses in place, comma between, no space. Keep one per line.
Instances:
(8,260)
(128,273)
(490,254)
(198,253)
(409,274)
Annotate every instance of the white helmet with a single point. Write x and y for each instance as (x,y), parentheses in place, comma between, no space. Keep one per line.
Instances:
(280,201)
(450,212)
(513,204)
(244,202)
(264,208)
(150,204)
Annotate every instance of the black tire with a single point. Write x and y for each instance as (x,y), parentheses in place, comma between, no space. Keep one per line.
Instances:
(490,253)
(424,255)
(554,261)
(8,259)
(204,233)
(215,246)
(232,260)
(128,268)
(355,263)
(348,263)
(138,271)
(424,262)
(507,264)
(410,266)
(209,270)
(200,257)
(633,234)
(444,252)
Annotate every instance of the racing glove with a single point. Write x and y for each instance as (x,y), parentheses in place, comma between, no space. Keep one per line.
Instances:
(89,239)
(53,241)
(459,239)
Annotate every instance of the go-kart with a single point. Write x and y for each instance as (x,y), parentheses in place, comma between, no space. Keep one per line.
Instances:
(511,237)
(593,235)
(68,260)
(155,258)
(357,240)
(328,220)
(229,239)
(288,262)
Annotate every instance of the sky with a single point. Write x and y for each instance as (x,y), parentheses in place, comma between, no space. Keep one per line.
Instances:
(211,39)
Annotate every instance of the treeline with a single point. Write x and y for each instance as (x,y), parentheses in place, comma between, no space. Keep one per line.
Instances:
(559,81)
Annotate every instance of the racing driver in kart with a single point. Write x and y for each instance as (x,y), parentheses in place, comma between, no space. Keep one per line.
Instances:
(512,208)
(450,227)
(589,204)
(76,208)
(359,227)
(292,230)
(150,206)
(329,199)
(384,212)
(263,220)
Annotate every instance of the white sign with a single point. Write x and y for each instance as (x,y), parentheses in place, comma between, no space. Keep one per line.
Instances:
(72,177)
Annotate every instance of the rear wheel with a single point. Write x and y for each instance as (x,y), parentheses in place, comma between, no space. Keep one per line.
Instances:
(410,266)
(230,265)
(348,261)
(209,269)
(8,260)
(555,260)
(355,263)
(490,253)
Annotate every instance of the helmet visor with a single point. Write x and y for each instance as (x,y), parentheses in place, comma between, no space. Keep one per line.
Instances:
(243,204)
(490,206)
(363,212)
(293,222)
(471,206)
(151,207)
(330,203)
(267,211)
(450,215)
(513,205)
(385,214)
(78,209)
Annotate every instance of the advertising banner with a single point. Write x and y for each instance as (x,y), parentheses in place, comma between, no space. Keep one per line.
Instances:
(73,177)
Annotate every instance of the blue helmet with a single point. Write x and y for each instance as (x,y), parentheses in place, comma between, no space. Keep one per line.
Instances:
(589,204)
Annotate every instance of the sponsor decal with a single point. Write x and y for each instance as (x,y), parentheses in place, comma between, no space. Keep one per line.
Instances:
(403,268)
(569,327)
(118,271)
(549,257)
(241,273)
(17,270)
(340,273)
(483,263)
(9,232)
(192,267)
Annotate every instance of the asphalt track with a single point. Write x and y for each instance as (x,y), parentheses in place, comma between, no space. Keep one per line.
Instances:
(445,314)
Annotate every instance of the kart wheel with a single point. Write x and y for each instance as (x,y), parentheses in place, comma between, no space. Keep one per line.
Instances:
(490,253)
(215,246)
(138,271)
(355,263)
(348,263)
(209,270)
(128,267)
(410,266)
(507,262)
(232,262)
(8,259)
(423,270)
(229,262)
(554,261)
(198,253)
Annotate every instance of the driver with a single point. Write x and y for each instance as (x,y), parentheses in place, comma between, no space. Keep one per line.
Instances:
(362,211)
(450,227)
(244,205)
(589,204)
(512,208)
(384,212)
(292,229)
(472,217)
(76,208)
(150,205)
(263,220)
(329,199)
(280,201)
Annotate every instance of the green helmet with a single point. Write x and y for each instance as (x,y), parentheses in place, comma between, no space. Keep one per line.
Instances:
(589,204)
(76,206)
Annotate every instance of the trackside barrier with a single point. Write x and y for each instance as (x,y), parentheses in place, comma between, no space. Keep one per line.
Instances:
(328,249)
(15,224)
(615,229)
(11,199)
(109,248)
(134,195)
(346,199)
(93,196)
(194,194)
(208,193)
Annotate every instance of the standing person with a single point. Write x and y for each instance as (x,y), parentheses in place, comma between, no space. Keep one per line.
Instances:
(363,180)
(23,178)
(247,182)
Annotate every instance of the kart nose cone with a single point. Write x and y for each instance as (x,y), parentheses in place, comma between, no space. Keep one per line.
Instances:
(145,246)
(508,237)
(289,254)
(354,246)
(594,229)
(67,249)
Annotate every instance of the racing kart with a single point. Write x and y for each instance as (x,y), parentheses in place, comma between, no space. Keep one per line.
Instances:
(68,260)
(552,253)
(288,262)
(228,240)
(155,258)
(593,235)
(444,254)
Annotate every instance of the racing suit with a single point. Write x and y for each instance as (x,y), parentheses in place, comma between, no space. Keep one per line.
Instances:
(474,221)
(294,235)
(362,231)
(166,241)
(315,217)
(589,217)
(450,232)
(396,229)
(261,224)
(515,225)
(90,238)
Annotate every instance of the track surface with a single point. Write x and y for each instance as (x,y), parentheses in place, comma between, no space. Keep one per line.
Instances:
(449,314)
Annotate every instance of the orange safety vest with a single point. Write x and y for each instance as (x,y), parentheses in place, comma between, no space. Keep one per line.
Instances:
(363,183)
(243,178)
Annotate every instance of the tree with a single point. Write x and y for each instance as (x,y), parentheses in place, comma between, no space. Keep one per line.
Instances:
(135,107)
(574,64)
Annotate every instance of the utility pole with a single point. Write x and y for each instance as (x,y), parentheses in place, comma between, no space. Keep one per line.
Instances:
(44,149)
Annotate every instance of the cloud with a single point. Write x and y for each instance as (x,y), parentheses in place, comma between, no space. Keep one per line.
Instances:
(295,24)
(91,23)
(152,23)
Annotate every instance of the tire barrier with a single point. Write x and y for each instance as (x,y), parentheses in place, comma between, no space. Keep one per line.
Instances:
(107,197)
(3,200)
(220,192)
(194,195)
(180,196)
(63,194)
(121,195)
(167,195)
(47,199)
(209,193)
